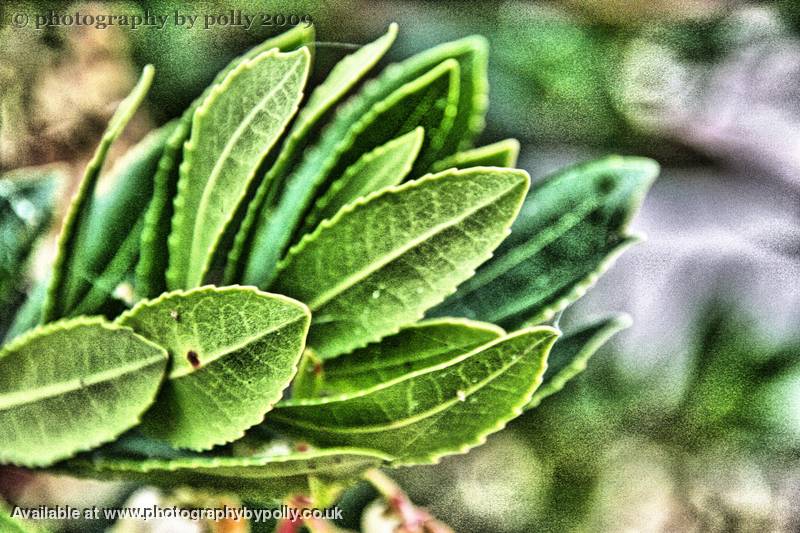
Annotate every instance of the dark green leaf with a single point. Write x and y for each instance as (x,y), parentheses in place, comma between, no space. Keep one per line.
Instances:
(66,268)
(571,228)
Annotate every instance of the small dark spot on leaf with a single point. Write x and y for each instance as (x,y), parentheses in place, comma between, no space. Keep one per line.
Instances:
(312,465)
(317,368)
(301,446)
(193,359)
(605,184)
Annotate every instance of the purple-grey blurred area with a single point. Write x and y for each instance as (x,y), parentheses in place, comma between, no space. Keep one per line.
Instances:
(711,89)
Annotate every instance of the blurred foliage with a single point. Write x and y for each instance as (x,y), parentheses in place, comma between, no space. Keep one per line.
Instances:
(732,407)
(26,204)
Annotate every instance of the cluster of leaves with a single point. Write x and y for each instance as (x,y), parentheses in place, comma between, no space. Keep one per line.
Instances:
(360,218)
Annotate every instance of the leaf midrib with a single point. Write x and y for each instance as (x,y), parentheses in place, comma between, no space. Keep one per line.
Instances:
(403,422)
(224,156)
(395,254)
(28,396)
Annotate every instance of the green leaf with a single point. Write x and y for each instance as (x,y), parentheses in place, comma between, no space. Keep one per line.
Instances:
(11,525)
(29,315)
(499,154)
(571,228)
(341,79)
(261,478)
(278,220)
(233,350)
(153,262)
(72,385)
(384,166)
(73,231)
(381,262)
(570,354)
(232,132)
(421,416)
(428,101)
(109,245)
(26,204)
(422,345)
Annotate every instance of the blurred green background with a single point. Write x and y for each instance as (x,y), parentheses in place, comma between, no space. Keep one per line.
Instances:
(688,421)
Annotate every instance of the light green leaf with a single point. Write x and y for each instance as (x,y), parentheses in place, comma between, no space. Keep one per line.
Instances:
(341,79)
(72,385)
(422,345)
(570,354)
(428,101)
(426,414)
(72,233)
(338,147)
(571,228)
(233,350)
(384,166)
(261,478)
(153,261)
(500,154)
(232,132)
(381,262)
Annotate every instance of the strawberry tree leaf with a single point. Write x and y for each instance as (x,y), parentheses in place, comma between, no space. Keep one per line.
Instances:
(341,79)
(109,245)
(570,354)
(428,101)
(499,154)
(232,132)
(571,228)
(232,352)
(73,232)
(386,165)
(421,416)
(264,478)
(72,385)
(422,345)
(153,261)
(381,262)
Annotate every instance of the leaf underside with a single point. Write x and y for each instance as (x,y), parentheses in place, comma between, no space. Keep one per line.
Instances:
(261,478)
(73,231)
